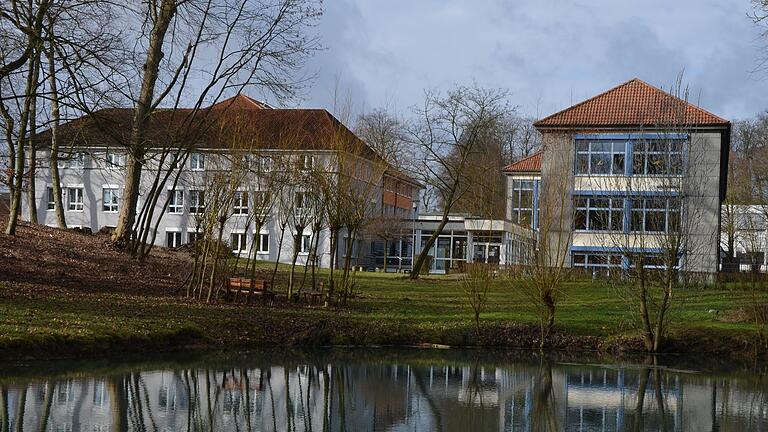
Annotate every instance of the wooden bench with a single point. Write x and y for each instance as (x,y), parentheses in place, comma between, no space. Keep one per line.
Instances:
(314,296)
(250,287)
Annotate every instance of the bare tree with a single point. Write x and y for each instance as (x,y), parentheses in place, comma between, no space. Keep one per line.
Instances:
(259,44)
(540,279)
(477,285)
(448,130)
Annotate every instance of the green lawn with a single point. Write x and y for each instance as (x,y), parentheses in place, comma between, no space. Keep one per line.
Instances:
(390,310)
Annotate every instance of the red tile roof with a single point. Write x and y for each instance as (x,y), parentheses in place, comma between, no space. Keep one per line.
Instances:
(528,164)
(634,103)
(240,102)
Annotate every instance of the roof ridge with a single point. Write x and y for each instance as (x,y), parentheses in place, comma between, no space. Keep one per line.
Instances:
(633,102)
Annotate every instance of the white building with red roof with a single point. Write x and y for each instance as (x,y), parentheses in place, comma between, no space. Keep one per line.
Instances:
(634,172)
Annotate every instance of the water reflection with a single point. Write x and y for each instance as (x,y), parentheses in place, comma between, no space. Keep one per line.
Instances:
(345,392)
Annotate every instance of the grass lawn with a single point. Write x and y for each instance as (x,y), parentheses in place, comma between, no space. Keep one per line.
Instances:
(390,310)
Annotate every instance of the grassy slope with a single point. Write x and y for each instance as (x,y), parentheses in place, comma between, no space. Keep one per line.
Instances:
(391,310)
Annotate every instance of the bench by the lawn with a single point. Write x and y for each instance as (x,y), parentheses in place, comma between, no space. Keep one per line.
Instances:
(247,286)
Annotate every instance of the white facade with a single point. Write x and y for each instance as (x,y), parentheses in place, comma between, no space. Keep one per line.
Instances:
(93,179)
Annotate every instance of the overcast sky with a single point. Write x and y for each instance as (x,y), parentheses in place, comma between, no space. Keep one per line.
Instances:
(547,53)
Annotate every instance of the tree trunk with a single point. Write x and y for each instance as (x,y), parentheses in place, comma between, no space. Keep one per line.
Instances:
(416,270)
(143,109)
(217,252)
(31,193)
(18,179)
(294,258)
(334,232)
(279,252)
(58,203)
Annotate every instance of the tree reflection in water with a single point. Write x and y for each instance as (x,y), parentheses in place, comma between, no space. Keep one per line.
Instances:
(422,393)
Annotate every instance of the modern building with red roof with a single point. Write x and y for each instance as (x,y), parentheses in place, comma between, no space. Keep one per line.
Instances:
(244,138)
(633,171)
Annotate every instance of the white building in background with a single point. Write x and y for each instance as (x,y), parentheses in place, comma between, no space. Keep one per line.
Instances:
(241,132)
(744,235)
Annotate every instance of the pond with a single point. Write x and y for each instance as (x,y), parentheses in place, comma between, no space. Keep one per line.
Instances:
(382,390)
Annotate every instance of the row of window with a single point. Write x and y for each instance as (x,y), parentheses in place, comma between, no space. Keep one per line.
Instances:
(648,157)
(196,161)
(73,200)
(654,214)
(604,260)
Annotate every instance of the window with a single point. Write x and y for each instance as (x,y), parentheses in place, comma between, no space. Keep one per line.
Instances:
(260,201)
(657,157)
(74,160)
(592,260)
(300,200)
(173,239)
(193,237)
(307,162)
(265,163)
(598,214)
(176,202)
(600,157)
(75,199)
(657,214)
(110,199)
(115,160)
(262,242)
(239,243)
(240,203)
(197,161)
(306,243)
(522,202)
(196,201)
(51,204)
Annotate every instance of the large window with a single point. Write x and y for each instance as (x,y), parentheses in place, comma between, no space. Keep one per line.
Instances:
(598,213)
(196,201)
(240,203)
(600,157)
(75,199)
(176,201)
(595,260)
(111,199)
(657,157)
(522,201)
(655,214)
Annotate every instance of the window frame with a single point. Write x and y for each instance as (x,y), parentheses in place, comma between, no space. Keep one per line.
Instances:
(517,201)
(177,235)
(240,204)
(197,201)
(242,242)
(261,239)
(197,161)
(611,154)
(76,206)
(50,204)
(174,206)
(114,204)
(305,248)
(117,163)
(616,205)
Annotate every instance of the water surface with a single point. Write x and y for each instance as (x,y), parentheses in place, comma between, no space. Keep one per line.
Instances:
(382,390)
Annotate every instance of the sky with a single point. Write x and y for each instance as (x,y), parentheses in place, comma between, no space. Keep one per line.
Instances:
(548,54)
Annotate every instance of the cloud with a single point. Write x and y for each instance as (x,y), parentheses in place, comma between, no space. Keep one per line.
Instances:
(548,53)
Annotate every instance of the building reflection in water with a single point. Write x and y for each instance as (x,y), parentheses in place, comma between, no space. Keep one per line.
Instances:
(381,396)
